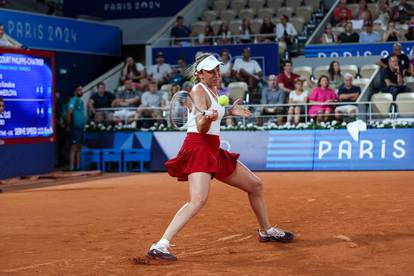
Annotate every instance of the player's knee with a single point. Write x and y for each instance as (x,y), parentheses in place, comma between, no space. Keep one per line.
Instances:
(198,201)
(256,186)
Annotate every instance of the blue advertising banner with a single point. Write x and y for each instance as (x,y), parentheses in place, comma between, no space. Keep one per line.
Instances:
(302,150)
(377,149)
(121,9)
(354,50)
(265,54)
(61,34)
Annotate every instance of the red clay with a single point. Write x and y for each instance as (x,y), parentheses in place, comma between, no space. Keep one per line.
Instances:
(347,223)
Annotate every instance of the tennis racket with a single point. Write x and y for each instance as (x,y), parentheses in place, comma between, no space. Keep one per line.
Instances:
(181,105)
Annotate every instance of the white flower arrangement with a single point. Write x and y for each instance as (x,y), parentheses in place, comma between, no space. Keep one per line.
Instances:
(387,123)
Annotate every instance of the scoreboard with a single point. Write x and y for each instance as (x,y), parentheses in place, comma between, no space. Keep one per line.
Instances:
(27,89)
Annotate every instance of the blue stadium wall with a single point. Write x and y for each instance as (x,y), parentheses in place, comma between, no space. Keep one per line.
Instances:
(26,159)
(303,150)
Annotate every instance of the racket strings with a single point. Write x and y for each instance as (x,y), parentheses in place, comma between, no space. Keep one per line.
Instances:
(180,107)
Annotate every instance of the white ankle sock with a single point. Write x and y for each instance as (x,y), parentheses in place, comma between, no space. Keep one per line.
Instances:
(163,243)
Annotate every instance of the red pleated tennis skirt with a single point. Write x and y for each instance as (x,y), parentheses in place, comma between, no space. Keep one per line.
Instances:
(202,153)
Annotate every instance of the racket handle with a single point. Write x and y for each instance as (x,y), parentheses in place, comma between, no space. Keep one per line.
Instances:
(207,113)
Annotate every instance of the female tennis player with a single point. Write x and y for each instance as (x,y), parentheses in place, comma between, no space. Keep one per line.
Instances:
(200,159)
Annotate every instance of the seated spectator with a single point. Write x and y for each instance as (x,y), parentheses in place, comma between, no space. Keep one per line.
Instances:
(286,79)
(160,72)
(336,78)
(362,7)
(342,14)
(226,68)
(369,35)
(166,97)
(410,33)
(403,60)
(133,71)
(402,12)
(320,97)
(347,93)
(179,74)
(100,99)
(328,36)
(5,42)
(180,34)
(206,38)
(128,97)
(382,13)
(391,34)
(267,30)
(393,78)
(297,100)
(187,86)
(271,95)
(247,70)
(150,105)
(245,35)
(349,36)
(285,33)
(224,34)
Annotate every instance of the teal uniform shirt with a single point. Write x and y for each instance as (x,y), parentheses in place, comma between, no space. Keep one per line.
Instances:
(78,115)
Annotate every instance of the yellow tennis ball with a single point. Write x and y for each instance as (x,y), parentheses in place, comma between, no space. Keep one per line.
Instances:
(223,100)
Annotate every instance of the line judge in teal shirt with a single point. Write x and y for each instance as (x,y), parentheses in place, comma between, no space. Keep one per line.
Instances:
(76,121)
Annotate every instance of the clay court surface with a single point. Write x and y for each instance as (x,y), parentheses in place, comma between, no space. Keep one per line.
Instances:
(347,223)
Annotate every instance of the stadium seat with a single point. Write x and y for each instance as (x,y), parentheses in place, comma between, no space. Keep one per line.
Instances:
(209,15)
(313,3)
(238,5)
(294,3)
(402,28)
(199,27)
(303,71)
(166,87)
(247,13)
(349,69)
(305,12)
(372,8)
(405,103)
(136,155)
(89,156)
(234,26)
(320,70)
(381,104)
(227,15)
(367,70)
(256,4)
(256,24)
(361,83)
(275,20)
(237,90)
(216,25)
(284,11)
(298,23)
(111,156)
(264,12)
(220,5)
(337,30)
(354,9)
(274,4)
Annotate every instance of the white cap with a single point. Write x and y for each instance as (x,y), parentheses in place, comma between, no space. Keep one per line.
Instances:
(209,63)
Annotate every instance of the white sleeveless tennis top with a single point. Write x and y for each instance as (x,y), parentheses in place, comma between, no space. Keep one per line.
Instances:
(215,125)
